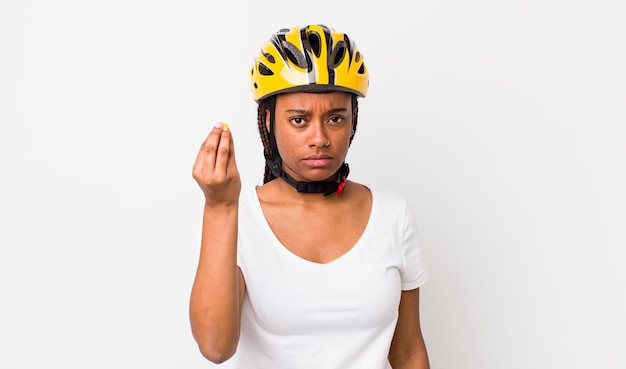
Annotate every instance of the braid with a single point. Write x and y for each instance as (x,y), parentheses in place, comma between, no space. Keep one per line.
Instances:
(355,112)
(265,138)
(265,105)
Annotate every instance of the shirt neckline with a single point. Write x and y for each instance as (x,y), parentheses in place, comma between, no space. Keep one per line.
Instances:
(276,243)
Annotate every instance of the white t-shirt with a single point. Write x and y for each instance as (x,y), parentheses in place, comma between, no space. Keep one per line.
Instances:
(299,314)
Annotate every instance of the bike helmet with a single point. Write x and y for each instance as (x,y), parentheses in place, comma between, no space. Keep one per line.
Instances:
(314,58)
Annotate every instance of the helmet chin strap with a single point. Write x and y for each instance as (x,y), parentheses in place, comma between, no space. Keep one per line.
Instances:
(275,163)
(327,188)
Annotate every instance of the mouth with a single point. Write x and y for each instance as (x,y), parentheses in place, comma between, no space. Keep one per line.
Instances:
(318,161)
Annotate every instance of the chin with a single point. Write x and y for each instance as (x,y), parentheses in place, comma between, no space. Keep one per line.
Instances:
(313,175)
(325,177)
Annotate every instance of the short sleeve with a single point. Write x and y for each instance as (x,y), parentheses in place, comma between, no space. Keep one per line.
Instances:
(414,273)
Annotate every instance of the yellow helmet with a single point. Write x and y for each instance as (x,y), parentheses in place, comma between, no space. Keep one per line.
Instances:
(314,58)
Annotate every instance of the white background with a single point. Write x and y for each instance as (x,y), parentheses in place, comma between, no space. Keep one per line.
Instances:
(502,122)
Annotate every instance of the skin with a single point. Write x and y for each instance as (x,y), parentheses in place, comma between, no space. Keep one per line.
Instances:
(312,133)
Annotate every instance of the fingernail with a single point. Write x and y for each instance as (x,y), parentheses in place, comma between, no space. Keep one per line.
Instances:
(218,125)
(225,127)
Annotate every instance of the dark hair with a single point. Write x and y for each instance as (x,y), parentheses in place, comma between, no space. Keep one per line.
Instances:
(268,104)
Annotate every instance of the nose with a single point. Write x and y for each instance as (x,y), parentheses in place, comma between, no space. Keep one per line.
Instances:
(318,137)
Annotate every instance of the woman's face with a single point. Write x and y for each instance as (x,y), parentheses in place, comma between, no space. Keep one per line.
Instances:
(312,133)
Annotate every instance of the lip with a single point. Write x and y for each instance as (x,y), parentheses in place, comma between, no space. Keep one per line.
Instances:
(318,161)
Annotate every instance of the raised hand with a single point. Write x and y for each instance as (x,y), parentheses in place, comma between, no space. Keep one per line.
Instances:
(218,289)
(215,168)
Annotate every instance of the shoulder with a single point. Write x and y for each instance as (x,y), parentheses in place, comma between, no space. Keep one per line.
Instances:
(356,191)
(387,199)
(249,203)
(247,196)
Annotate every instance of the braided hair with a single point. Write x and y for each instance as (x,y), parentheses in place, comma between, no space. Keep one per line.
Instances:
(267,104)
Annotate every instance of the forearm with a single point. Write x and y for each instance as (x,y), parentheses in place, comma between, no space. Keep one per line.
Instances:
(215,306)
(417,360)
(408,349)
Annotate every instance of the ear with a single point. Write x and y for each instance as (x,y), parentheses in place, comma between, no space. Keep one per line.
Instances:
(267,120)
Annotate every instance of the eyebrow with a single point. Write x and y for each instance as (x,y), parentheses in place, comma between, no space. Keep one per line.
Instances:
(304,111)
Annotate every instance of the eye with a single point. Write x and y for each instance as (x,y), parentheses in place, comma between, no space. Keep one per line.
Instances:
(335,119)
(297,121)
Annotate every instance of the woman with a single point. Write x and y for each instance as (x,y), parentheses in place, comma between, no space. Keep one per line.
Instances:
(310,270)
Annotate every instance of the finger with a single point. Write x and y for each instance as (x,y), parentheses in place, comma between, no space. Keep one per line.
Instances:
(209,148)
(223,151)
(232,162)
(205,160)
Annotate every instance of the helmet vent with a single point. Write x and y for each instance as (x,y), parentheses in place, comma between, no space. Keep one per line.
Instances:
(264,70)
(315,43)
(337,55)
(294,55)
(270,58)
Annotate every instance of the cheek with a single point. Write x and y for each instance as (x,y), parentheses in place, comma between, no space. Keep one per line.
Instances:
(345,140)
(288,142)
